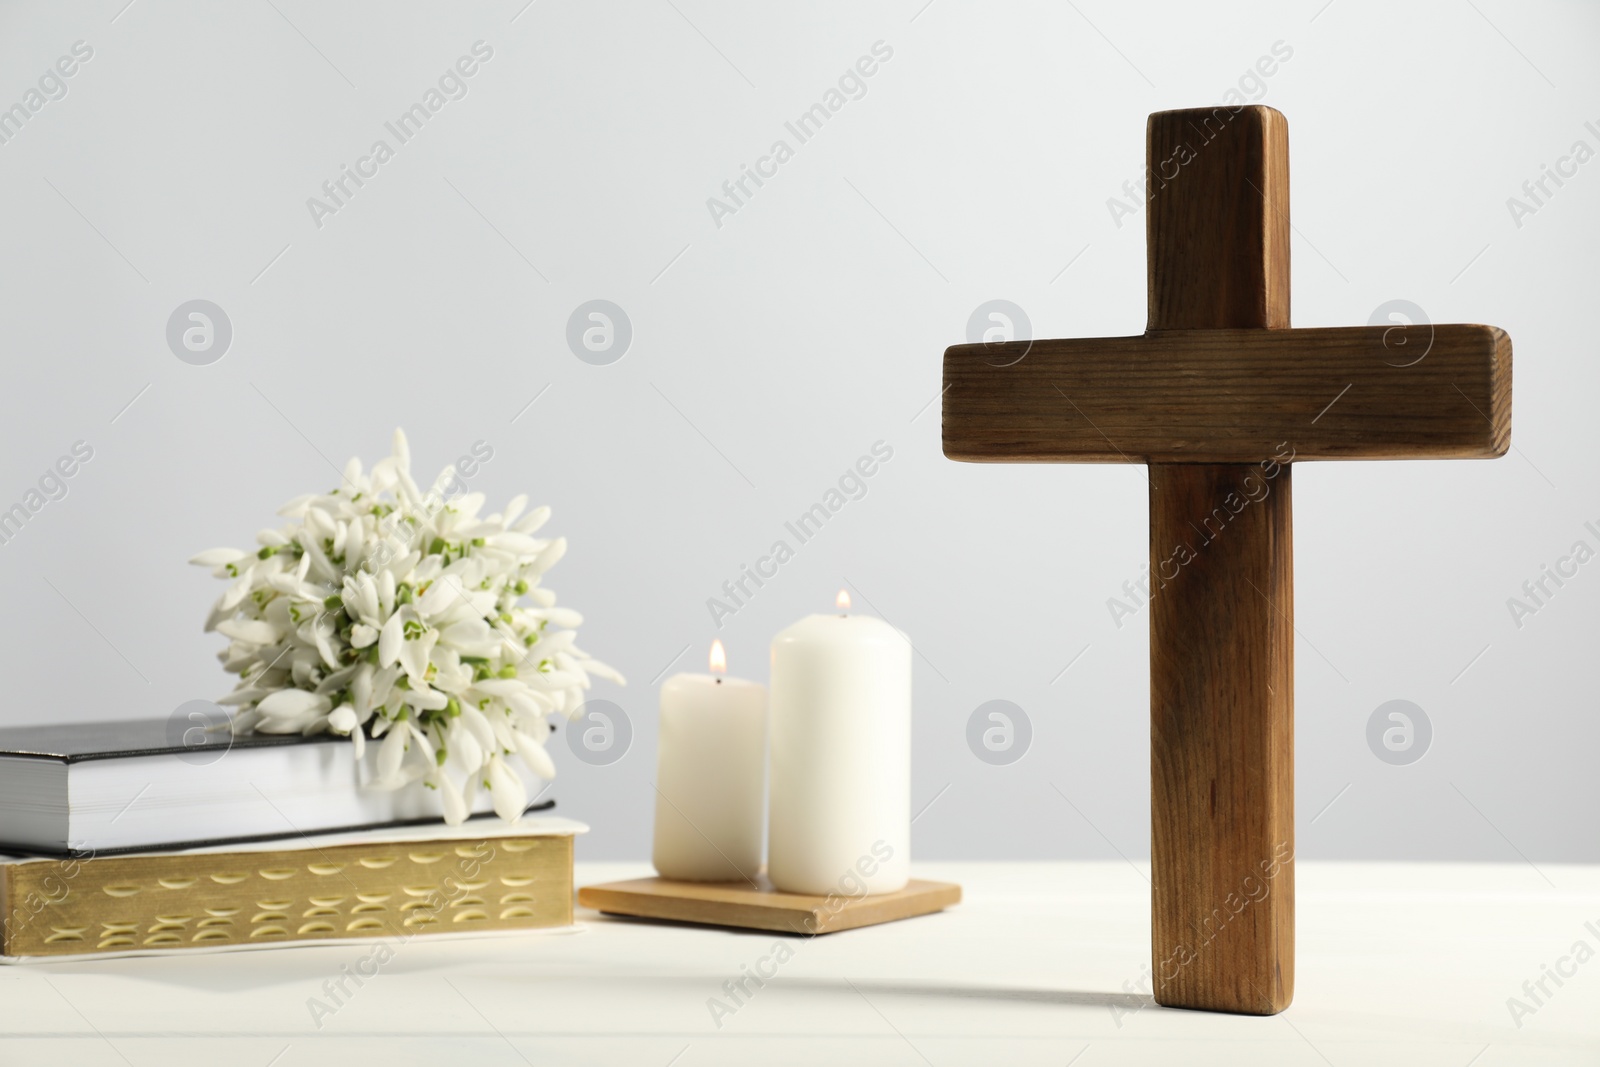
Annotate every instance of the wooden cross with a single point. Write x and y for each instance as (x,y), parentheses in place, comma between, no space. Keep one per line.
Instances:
(1217,396)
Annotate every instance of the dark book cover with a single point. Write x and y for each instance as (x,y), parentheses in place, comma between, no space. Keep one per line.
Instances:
(75,742)
(71,743)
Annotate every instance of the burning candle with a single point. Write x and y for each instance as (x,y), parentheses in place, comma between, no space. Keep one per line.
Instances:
(840,819)
(711,776)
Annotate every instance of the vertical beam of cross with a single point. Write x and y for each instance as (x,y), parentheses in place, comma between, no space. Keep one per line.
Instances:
(1221,637)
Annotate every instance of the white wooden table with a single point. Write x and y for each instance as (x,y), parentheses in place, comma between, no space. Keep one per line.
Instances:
(1401,964)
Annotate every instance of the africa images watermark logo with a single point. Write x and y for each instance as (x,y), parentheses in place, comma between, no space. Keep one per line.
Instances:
(199,332)
(999,732)
(338,191)
(1537,192)
(599,332)
(1252,489)
(851,85)
(1536,992)
(1252,889)
(1250,87)
(851,485)
(1399,732)
(1538,591)
(1408,332)
(200,731)
(52,86)
(998,325)
(429,901)
(753,977)
(51,487)
(600,733)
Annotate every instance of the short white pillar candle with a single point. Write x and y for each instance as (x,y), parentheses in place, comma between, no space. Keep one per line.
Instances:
(840,807)
(711,776)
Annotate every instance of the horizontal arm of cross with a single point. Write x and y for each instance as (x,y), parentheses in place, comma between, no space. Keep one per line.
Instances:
(1232,396)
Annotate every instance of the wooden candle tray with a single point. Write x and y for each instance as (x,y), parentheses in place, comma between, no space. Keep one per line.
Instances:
(761,907)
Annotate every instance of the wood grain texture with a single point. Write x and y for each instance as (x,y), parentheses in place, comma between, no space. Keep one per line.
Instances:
(1217,223)
(1233,396)
(1222,736)
(1221,555)
(762,907)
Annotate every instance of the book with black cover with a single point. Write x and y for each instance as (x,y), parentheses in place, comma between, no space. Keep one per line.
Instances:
(89,789)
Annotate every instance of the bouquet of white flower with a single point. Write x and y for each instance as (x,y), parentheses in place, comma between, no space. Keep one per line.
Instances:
(387,612)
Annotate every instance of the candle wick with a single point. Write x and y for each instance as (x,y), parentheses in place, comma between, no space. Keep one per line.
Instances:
(718,681)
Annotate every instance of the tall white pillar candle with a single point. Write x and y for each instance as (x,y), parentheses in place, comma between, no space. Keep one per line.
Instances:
(840,806)
(711,776)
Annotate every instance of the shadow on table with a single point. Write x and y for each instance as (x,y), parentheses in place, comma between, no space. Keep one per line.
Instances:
(1128,1002)
(276,970)
(303,967)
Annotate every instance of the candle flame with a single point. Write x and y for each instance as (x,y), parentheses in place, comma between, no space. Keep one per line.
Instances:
(842,601)
(719,658)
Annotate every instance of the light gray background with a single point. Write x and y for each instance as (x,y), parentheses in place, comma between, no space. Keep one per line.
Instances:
(770,353)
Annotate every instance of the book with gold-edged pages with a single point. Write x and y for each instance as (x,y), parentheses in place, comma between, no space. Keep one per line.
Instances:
(482,877)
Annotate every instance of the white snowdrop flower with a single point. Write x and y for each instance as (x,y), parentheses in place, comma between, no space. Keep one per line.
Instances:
(291,711)
(442,596)
(415,647)
(472,637)
(412,618)
(361,598)
(560,617)
(551,555)
(238,590)
(534,755)
(250,631)
(477,724)
(426,698)
(532,521)
(528,702)
(464,745)
(510,795)
(454,804)
(218,559)
(449,674)
(392,751)
(519,544)
(342,719)
(551,644)
(385,584)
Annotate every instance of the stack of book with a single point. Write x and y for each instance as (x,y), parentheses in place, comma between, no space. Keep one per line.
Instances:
(117,839)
